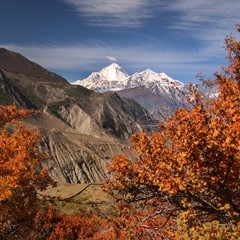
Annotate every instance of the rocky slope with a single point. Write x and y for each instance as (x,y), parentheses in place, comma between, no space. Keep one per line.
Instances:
(81,129)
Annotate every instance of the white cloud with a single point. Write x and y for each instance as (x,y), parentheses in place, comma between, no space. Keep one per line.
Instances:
(115,13)
(110,58)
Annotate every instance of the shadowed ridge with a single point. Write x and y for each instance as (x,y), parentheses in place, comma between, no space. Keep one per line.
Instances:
(15,62)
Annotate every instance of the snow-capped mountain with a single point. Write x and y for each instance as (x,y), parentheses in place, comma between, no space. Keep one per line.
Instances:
(114,78)
(152,90)
(108,79)
(157,92)
(149,78)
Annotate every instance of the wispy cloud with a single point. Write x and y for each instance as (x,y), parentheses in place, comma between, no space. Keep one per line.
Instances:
(117,13)
(110,58)
(72,56)
(91,58)
(205,20)
(193,13)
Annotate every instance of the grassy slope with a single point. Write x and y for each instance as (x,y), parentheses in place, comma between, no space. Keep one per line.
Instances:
(78,198)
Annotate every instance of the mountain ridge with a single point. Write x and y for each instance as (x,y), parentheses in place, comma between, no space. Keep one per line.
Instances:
(17,63)
(96,80)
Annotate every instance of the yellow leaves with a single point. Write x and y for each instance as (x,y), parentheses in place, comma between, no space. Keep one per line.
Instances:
(228,139)
(215,132)
(196,142)
(182,155)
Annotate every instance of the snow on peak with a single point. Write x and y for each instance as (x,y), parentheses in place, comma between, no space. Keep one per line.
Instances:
(114,78)
(104,80)
(113,65)
(113,72)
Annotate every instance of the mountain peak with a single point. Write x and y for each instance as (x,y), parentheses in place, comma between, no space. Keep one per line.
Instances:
(148,70)
(104,79)
(113,72)
(113,65)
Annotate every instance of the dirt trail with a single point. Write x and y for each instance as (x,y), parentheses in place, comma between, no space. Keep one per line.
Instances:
(68,191)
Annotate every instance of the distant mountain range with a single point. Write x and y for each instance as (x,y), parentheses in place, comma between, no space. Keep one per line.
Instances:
(114,78)
(154,91)
(157,92)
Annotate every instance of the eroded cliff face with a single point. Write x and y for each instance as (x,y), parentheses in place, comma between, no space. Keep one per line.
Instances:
(71,164)
(75,154)
(75,158)
(81,129)
(80,121)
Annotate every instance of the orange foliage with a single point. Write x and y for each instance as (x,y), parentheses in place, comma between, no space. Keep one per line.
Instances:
(192,164)
(21,175)
(11,113)
(53,225)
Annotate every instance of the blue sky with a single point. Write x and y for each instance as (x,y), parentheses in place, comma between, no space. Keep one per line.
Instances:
(76,37)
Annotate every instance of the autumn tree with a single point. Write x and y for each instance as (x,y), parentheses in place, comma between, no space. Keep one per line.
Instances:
(21,174)
(190,169)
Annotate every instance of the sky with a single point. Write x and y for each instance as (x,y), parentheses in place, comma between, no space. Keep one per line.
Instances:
(76,37)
